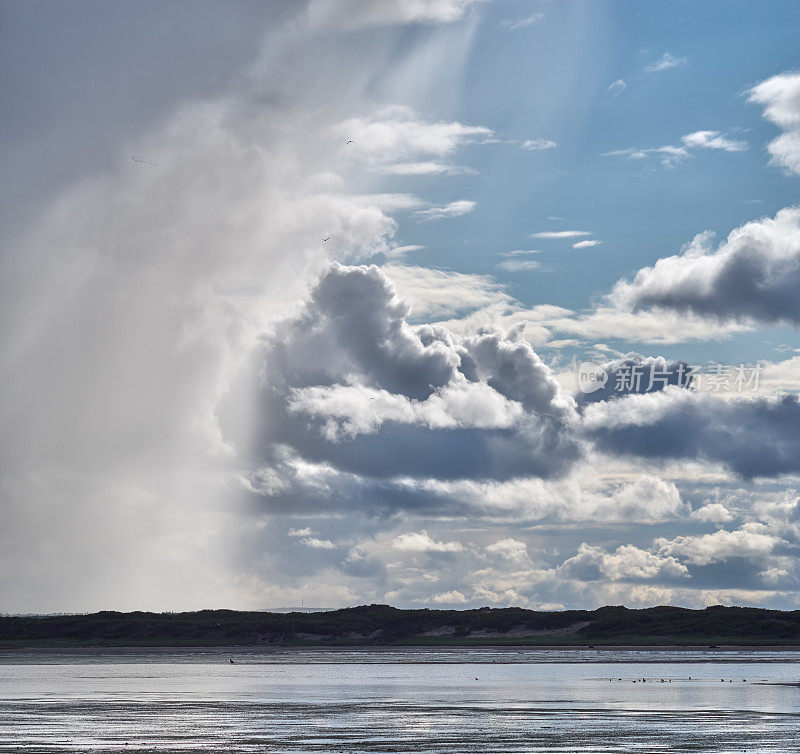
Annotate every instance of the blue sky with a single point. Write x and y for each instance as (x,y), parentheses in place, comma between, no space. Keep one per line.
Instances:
(550,80)
(357,301)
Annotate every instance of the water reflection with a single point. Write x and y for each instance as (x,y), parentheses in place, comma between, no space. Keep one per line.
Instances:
(407,701)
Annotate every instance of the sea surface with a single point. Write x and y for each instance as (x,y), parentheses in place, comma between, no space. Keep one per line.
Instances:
(423,700)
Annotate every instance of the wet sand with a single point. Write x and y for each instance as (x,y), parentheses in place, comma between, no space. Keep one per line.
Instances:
(411,700)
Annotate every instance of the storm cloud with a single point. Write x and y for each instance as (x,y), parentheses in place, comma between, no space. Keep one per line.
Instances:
(754,438)
(350,384)
(754,275)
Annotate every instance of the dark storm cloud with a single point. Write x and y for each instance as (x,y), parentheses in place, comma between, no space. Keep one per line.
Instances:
(753,438)
(354,327)
(350,399)
(753,276)
(349,384)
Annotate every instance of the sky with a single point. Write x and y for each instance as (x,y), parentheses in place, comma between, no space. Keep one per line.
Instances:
(454,303)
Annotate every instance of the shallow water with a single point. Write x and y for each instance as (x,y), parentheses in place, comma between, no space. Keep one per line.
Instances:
(430,700)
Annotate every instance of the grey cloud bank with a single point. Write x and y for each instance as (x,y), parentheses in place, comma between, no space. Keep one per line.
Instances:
(754,438)
(753,275)
(350,383)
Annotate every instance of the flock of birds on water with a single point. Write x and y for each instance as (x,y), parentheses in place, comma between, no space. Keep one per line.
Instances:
(669,680)
(635,680)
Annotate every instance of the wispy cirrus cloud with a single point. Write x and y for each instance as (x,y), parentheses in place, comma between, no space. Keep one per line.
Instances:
(444,293)
(664,63)
(452,209)
(518,252)
(668,154)
(538,145)
(713,140)
(425,168)
(397,141)
(616,88)
(399,252)
(671,155)
(522,23)
(519,265)
(560,234)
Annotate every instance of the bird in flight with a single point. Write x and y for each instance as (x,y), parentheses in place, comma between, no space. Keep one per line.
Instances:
(144,160)
(327,239)
(350,142)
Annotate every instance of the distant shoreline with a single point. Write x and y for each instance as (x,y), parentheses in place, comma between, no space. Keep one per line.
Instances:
(373,648)
(384,627)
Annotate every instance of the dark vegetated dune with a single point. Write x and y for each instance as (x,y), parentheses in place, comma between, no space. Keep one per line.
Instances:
(382,625)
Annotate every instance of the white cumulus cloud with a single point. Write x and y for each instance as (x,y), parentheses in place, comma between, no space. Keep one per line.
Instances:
(780,96)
